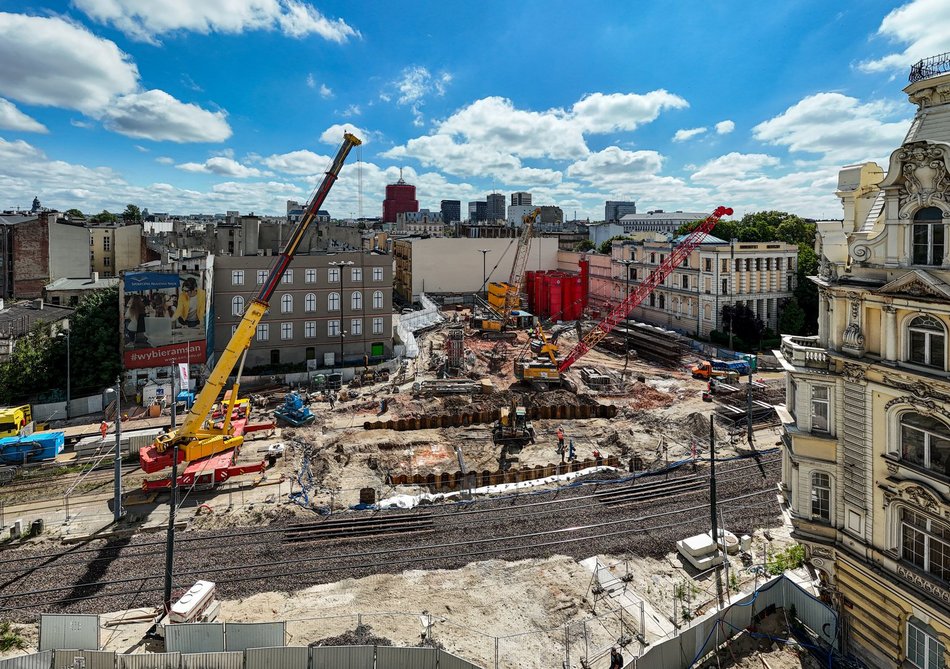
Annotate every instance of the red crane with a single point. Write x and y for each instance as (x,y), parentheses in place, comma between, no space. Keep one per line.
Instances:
(655,278)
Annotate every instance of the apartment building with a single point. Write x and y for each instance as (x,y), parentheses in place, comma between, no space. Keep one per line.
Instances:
(329,307)
(657,220)
(114,247)
(866,463)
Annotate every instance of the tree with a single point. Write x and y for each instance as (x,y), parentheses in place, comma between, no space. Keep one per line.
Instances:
(132,214)
(585,245)
(806,292)
(104,216)
(608,244)
(74,213)
(94,333)
(743,323)
(792,319)
(29,368)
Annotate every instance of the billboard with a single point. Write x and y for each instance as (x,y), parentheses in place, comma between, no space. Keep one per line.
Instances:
(165,318)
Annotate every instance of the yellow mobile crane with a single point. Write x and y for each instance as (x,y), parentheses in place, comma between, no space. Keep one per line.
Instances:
(194,439)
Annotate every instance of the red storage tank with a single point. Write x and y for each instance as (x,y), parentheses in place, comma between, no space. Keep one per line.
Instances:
(555,295)
(528,290)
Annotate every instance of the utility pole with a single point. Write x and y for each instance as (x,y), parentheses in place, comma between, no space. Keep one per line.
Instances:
(484,253)
(712,501)
(117,496)
(732,285)
(172,505)
(749,406)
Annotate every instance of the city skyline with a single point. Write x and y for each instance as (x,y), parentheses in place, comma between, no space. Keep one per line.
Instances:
(239,104)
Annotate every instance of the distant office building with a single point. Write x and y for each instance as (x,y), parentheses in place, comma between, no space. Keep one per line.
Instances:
(495,207)
(551,215)
(400,198)
(520,199)
(658,221)
(422,222)
(477,211)
(614,210)
(517,212)
(451,211)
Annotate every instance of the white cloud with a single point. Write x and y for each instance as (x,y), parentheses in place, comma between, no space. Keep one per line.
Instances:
(416,83)
(222,166)
(334,134)
(325,91)
(311,82)
(352,110)
(141,149)
(146,21)
(158,116)
(12,118)
(734,167)
(298,162)
(922,25)
(725,127)
(165,160)
(600,112)
(616,161)
(685,134)
(51,62)
(836,126)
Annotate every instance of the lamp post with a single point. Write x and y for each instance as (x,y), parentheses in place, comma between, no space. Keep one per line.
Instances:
(117,483)
(66,330)
(342,336)
(626,345)
(484,253)
(342,264)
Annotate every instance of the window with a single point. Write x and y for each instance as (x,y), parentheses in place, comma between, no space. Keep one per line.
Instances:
(652,299)
(707,264)
(311,353)
(286,331)
(925,442)
(356,326)
(925,543)
(377,274)
(310,329)
(106,243)
(707,312)
(821,496)
(333,328)
(928,237)
(633,273)
(819,408)
(356,300)
(758,264)
(288,276)
(926,338)
(356,274)
(263,332)
(377,299)
(287,304)
(333,302)
(92,241)
(725,287)
(237,306)
(662,301)
(237,277)
(923,649)
(738,265)
(377,326)
(107,274)
(107,261)
(310,303)
(778,263)
(261,276)
(333,275)
(653,258)
(310,276)
(685,281)
(233,329)
(275,356)
(725,265)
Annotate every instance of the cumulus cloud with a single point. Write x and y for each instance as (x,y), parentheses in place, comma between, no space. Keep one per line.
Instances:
(734,166)
(165,160)
(12,118)
(222,166)
(52,62)
(838,127)
(325,91)
(298,162)
(614,160)
(725,127)
(685,134)
(334,134)
(607,112)
(146,21)
(923,26)
(158,116)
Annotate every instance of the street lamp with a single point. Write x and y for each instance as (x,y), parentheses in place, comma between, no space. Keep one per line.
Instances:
(484,252)
(342,335)
(626,344)
(342,264)
(117,484)
(65,331)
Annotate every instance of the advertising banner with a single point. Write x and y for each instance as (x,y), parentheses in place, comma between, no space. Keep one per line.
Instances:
(165,318)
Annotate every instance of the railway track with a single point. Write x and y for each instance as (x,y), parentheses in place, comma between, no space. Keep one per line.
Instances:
(633,494)
(356,528)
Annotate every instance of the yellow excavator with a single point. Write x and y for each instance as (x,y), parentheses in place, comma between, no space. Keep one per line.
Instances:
(195,439)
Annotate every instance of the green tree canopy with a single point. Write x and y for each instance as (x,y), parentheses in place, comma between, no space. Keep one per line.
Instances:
(74,213)
(585,245)
(105,216)
(792,319)
(607,244)
(132,214)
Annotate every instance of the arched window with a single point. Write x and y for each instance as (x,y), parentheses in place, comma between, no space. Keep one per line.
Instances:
(928,241)
(377,299)
(926,339)
(333,302)
(287,304)
(821,496)
(925,442)
(237,306)
(310,302)
(356,300)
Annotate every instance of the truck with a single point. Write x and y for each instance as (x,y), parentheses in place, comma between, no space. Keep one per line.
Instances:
(13,420)
(727,370)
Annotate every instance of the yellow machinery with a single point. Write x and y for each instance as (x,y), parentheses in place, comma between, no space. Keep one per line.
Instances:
(194,438)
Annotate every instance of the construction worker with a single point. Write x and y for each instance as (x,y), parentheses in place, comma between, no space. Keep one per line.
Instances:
(571,452)
(103,428)
(560,439)
(616,659)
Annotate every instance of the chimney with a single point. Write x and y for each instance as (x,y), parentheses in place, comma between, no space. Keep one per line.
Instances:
(95,277)
(38,303)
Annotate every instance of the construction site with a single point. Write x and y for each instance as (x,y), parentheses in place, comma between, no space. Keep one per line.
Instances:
(517,493)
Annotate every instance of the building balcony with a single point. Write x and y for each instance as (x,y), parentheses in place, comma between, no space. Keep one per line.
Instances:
(804,352)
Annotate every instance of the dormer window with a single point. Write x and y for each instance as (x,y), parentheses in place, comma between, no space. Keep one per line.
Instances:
(928,239)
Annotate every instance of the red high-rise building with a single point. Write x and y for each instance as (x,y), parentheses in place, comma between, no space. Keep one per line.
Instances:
(400,198)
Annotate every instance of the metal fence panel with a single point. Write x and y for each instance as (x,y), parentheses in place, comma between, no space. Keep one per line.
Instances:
(92,659)
(150,661)
(388,657)
(449,661)
(341,657)
(822,620)
(241,636)
(69,631)
(32,661)
(195,638)
(285,657)
(212,660)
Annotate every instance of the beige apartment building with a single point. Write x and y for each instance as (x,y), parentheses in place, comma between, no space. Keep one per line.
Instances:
(866,464)
(114,247)
(329,306)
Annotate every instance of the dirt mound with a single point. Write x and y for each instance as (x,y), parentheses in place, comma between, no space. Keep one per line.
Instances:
(643,398)
(361,636)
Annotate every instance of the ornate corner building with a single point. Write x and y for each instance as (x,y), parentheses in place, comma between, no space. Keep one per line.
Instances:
(866,469)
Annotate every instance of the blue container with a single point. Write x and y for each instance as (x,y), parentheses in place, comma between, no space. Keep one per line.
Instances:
(35,447)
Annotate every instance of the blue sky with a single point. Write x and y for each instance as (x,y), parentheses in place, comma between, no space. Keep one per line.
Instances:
(191,106)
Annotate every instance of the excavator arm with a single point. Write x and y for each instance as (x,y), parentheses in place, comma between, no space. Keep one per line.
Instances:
(195,440)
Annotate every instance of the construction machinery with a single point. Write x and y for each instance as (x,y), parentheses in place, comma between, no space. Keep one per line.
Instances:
(503,308)
(513,427)
(721,369)
(549,371)
(199,438)
(294,411)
